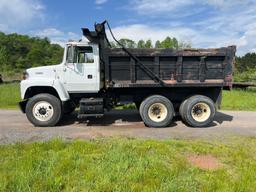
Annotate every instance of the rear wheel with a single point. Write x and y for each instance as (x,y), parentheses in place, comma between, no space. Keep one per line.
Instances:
(44,110)
(156,111)
(198,111)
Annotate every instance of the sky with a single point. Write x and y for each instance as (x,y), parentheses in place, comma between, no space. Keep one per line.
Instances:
(203,23)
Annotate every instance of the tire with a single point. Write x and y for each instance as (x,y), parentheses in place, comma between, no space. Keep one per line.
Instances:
(44,110)
(151,106)
(198,111)
(181,109)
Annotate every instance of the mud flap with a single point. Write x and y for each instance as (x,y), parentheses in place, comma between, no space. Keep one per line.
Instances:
(22,105)
(219,101)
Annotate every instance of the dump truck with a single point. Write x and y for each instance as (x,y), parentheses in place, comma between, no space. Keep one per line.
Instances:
(94,78)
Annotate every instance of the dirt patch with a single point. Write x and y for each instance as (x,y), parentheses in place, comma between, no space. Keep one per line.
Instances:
(206,162)
(94,134)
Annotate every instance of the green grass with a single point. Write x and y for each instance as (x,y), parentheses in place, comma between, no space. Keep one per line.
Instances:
(239,100)
(127,165)
(232,100)
(9,96)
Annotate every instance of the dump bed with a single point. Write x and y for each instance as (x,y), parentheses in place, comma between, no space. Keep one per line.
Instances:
(168,67)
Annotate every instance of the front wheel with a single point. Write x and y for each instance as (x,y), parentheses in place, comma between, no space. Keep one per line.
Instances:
(44,110)
(156,111)
(198,111)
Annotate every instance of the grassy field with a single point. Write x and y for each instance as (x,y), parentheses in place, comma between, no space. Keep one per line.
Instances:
(9,96)
(128,165)
(232,100)
(239,100)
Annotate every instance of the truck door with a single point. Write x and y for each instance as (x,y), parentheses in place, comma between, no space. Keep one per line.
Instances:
(81,72)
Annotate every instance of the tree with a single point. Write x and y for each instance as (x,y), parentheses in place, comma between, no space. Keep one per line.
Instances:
(167,43)
(246,62)
(175,43)
(3,58)
(148,44)
(128,43)
(141,44)
(158,44)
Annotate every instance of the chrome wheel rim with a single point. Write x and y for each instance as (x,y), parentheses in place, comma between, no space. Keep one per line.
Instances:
(157,112)
(201,112)
(43,111)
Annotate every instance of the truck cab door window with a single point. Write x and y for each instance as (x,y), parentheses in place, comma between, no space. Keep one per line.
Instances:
(85,55)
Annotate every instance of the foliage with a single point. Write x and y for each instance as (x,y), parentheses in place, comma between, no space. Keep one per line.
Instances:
(141,44)
(127,165)
(246,76)
(128,43)
(158,44)
(169,43)
(148,44)
(245,68)
(166,43)
(246,62)
(18,52)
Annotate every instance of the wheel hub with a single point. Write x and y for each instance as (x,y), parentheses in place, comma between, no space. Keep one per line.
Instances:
(157,112)
(201,112)
(43,111)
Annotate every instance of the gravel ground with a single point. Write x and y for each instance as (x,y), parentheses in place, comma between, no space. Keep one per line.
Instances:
(14,127)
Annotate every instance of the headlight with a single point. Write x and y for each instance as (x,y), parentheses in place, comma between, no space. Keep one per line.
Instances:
(25,75)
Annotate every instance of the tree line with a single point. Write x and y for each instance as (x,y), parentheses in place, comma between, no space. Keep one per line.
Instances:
(168,42)
(245,68)
(18,52)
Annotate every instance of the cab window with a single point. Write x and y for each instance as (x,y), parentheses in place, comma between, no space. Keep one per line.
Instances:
(85,55)
(80,54)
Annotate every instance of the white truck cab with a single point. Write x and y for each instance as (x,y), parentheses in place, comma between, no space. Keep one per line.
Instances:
(78,72)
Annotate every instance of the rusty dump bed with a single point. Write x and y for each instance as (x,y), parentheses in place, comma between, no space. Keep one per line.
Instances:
(169,68)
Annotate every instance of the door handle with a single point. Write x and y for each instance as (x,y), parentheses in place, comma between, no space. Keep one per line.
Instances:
(89,76)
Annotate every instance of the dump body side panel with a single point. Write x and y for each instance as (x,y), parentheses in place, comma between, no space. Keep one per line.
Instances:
(192,67)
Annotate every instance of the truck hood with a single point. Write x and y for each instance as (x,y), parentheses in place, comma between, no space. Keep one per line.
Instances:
(42,72)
